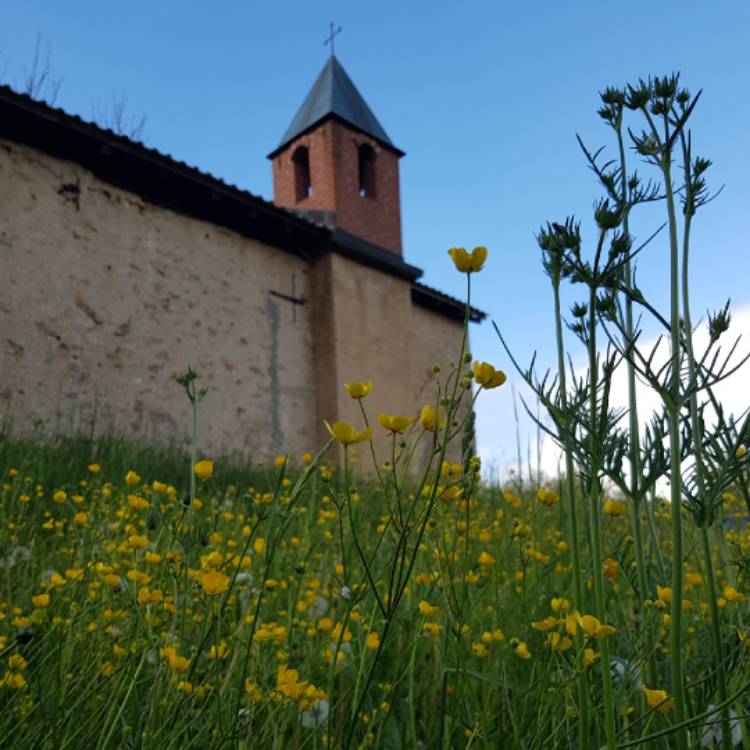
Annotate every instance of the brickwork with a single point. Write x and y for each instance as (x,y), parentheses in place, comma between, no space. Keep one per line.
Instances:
(334,173)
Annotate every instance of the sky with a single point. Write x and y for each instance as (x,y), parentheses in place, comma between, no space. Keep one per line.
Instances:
(485,98)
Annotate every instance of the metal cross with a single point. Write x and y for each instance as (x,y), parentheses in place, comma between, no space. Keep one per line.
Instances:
(331,35)
(293,298)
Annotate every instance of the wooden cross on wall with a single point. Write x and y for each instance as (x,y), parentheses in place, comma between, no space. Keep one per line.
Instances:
(293,298)
(331,36)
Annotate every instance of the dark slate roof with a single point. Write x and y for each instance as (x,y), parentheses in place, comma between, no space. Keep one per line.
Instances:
(334,95)
(164,181)
(451,307)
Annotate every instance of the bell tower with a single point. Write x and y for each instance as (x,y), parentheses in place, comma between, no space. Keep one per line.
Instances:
(336,164)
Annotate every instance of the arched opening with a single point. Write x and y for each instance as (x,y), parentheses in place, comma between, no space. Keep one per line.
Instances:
(302,183)
(366,155)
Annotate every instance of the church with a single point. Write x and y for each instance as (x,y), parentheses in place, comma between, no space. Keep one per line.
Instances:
(122,266)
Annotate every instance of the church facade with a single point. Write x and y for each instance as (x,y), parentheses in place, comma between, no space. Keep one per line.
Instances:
(122,266)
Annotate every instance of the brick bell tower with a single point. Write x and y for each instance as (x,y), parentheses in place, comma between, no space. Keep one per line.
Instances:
(335,163)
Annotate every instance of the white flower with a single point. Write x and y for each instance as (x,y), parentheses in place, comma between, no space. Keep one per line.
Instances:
(315,716)
(318,607)
(345,593)
(713,736)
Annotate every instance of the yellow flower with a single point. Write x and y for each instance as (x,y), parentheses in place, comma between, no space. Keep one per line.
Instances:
(373,641)
(522,650)
(358,390)
(131,478)
(94,468)
(431,419)
(16,661)
(694,579)
(107,669)
(487,376)
(732,595)
(80,518)
(60,496)
(547,497)
(214,582)
(593,628)
(658,698)
(395,423)
(589,657)
(432,629)
(545,624)
(559,642)
(450,493)
(219,652)
(178,663)
(468,262)
(559,604)
(185,687)
(346,434)
(611,569)
(159,487)
(40,601)
(664,593)
(137,502)
(741,451)
(427,610)
(204,469)
(485,558)
(614,508)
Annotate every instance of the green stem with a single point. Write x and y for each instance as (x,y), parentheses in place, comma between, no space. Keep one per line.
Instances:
(636,495)
(698,449)
(583,703)
(678,676)
(595,520)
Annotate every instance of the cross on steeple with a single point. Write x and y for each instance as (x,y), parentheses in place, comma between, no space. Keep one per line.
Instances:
(331,36)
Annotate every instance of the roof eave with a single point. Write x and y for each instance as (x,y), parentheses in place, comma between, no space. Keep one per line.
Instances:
(333,116)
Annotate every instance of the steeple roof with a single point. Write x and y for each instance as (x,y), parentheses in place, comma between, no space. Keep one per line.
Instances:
(334,94)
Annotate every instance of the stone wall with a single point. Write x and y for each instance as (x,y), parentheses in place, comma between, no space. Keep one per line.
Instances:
(106,299)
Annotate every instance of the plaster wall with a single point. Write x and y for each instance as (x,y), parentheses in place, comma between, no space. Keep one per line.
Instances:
(106,299)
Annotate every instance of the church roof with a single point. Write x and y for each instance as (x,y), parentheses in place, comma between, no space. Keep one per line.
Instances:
(334,95)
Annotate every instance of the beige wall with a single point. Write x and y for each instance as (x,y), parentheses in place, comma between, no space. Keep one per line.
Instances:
(381,336)
(106,300)
(109,303)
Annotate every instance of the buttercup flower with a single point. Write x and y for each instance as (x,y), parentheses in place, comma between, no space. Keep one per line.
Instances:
(395,423)
(593,628)
(214,582)
(487,376)
(431,419)
(468,262)
(358,390)
(204,469)
(614,508)
(658,698)
(131,478)
(346,434)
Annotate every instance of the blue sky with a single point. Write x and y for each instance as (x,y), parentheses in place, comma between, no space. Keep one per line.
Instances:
(484,97)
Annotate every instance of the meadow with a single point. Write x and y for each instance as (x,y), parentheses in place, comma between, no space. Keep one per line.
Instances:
(338,599)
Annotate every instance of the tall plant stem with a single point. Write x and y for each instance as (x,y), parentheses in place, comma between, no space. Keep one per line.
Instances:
(583,702)
(636,495)
(673,410)
(595,524)
(698,448)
